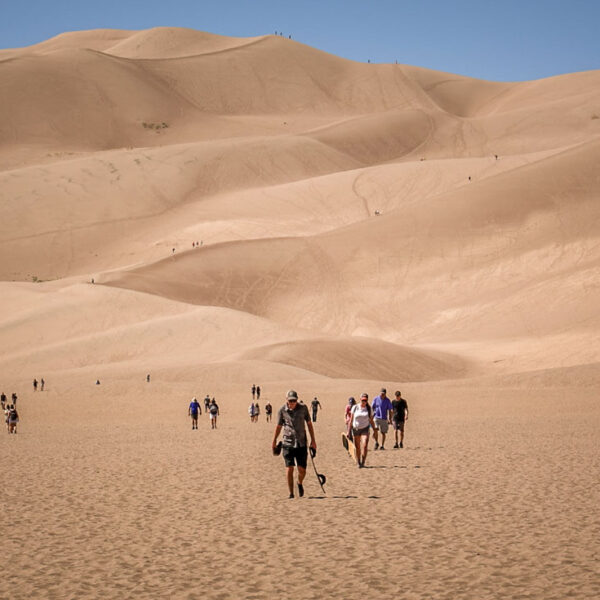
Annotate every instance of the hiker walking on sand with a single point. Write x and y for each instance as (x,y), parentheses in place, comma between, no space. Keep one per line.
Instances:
(251,412)
(193,411)
(315,407)
(35,384)
(253,391)
(256,411)
(3,400)
(382,409)
(206,403)
(43,383)
(292,418)
(400,407)
(268,411)
(348,416)
(13,419)
(258,392)
(213,411)
(361,420)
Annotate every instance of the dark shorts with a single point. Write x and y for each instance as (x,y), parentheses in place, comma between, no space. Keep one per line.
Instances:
(363,431)
(194,416)
(296,456)
(398,425)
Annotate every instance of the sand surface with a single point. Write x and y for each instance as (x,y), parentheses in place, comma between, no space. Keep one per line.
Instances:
(358,225)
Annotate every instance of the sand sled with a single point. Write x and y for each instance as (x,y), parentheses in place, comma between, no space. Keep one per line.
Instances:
(349,445)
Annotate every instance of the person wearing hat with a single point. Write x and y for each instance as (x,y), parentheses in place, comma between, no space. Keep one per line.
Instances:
(382,413)
(400,417)
(347,416)
(293,418)
(193,411)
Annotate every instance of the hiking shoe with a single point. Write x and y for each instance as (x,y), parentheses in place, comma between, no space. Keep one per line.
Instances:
(300,490)
(401,445)
(376,446)
(396,446)
(382,448)
(291,496)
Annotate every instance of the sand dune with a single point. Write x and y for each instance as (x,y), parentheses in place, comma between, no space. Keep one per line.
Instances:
(358,225)
(174,42)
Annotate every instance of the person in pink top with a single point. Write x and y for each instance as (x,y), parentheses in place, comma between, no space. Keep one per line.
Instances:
(351,403)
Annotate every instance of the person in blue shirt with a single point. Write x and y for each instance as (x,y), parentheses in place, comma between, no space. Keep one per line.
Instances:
(193,411)
(382,415)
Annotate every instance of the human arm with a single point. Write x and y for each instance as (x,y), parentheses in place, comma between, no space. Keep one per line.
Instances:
(276,435)
(372,422)
(313,442)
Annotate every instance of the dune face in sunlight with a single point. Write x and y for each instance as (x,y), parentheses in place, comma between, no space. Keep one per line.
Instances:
(337,202)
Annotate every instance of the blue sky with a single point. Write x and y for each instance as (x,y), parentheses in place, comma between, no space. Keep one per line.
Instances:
(501,40)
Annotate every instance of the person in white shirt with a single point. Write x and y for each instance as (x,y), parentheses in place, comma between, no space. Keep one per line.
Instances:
(361,420)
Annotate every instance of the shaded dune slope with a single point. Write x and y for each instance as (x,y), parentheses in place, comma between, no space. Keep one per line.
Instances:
(362,358)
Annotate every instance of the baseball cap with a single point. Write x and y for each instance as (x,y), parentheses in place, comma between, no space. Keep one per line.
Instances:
(383,391)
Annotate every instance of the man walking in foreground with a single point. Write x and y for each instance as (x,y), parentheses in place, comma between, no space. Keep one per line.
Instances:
(400,407)
(292,418)
(382,413)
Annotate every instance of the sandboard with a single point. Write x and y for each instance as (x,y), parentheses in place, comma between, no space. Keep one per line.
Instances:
(349,445)
(322,479)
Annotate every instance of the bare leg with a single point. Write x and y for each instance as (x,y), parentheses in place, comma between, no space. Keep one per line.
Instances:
(365,450)
(301,474)
(290,479)
(357,444)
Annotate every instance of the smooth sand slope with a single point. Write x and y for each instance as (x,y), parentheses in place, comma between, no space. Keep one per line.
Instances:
(358,225)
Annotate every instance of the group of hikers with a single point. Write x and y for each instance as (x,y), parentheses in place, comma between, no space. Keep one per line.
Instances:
(41,383)
(211,408)
(11,415)
(254,411)
(361,417)
(293,419)
(254,408)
